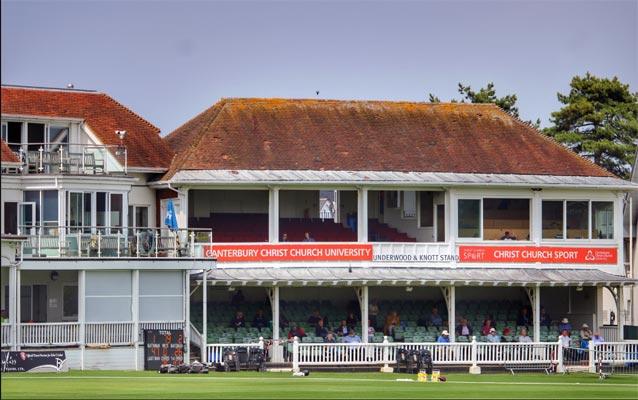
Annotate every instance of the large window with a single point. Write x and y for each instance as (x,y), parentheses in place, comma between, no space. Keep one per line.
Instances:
(137,216)
(107,211)
(469,218)
(578,219)
(79,214)
(46,206)
(408,199)
(426,209)
(494,219)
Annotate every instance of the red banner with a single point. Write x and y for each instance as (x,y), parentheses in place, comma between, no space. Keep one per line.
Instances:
(543,254)
(289,252)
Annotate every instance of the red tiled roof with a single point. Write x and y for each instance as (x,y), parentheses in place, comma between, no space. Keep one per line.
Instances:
(8,156)
(278,134)
(102,114)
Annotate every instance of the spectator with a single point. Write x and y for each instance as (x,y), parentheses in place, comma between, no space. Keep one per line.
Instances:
(308,238)
(313,320)
(351,320)
(444,338)
(565,325)
(296,331)
(585,332)
(284,237)
(330,338)
(435,318)
(391,322)
(342,329)
(371,331)
(597,338)
(545,319)
(259,321)
(464,328)
(237,299)
(321,330)
(507,331)
(492,336)
(523,318)
(508,236)
(373,312)
(565,342)
(239,320)
(524,337)
(351,337)
(487,327)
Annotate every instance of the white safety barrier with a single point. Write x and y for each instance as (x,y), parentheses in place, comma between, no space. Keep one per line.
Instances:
(215,352)
(50,334)
(112,333)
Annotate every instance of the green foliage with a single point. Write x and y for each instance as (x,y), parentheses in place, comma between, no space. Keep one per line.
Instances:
(599,120)
(487,95)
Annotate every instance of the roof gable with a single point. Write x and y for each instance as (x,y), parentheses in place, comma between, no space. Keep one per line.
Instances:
(103,114)
(284,134)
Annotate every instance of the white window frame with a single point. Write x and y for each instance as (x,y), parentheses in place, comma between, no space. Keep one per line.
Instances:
(494,196)
(148,216)
(589,238)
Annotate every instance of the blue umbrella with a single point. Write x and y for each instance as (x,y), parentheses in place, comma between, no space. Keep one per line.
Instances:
(171,220)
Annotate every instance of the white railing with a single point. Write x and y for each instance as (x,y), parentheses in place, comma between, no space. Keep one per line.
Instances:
(617,352)
(195,336)
(168,325)
(49,334)
(112,333)
(410,252)
(609,332)
(215,352)
(516,353)
(6,335)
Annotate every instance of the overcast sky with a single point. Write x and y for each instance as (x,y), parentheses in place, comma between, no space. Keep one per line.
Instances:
(170,60)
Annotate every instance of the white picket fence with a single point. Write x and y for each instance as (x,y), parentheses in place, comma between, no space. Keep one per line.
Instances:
(215,352)
(617,352)
(6,335)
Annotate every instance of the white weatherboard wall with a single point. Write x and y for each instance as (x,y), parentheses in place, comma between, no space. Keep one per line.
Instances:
(108,296)
(55,291)
(142,195)
(161,296)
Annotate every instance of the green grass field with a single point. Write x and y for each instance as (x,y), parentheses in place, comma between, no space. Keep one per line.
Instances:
(344,386)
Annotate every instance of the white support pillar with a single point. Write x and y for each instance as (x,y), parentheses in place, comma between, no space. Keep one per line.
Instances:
(537,217)
(277,350)
(537,313)
(13,300)
(362,295)
(362,215)
(449,294)
(187,318)
(621,313)
(204,349)
(82,314)
(273,215)
(135,313)
(18,314)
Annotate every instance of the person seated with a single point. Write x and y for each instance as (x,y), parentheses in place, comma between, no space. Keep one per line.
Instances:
(545,319)
(524,318)
(296,331)
(391,322)
(444,337)
(259,321)
(351,337)
(351,320)
(508,236)
(320,330)
(314,318)
(597,338)
(585,332)
(308,238)
(373,311)
(342,329)
(523,337)
(284,237)
(492,336)
(464,328)
(487,327)
(565,325)
(371,330)
(330,338)
(507,331)
(239,321)
(435,318)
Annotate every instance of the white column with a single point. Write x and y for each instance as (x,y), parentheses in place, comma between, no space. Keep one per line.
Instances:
(187,318)
(537,313)
(451,307)
(274,305)
(135,312)
(82,313)
(18,307)
(182,213)
(537,218)
(362,215)
(204,350)
(621,313)
(364,300)
(273,215)
(13,300)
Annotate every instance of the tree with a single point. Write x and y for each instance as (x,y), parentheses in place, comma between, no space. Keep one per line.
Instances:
(486,95)
(598,120)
